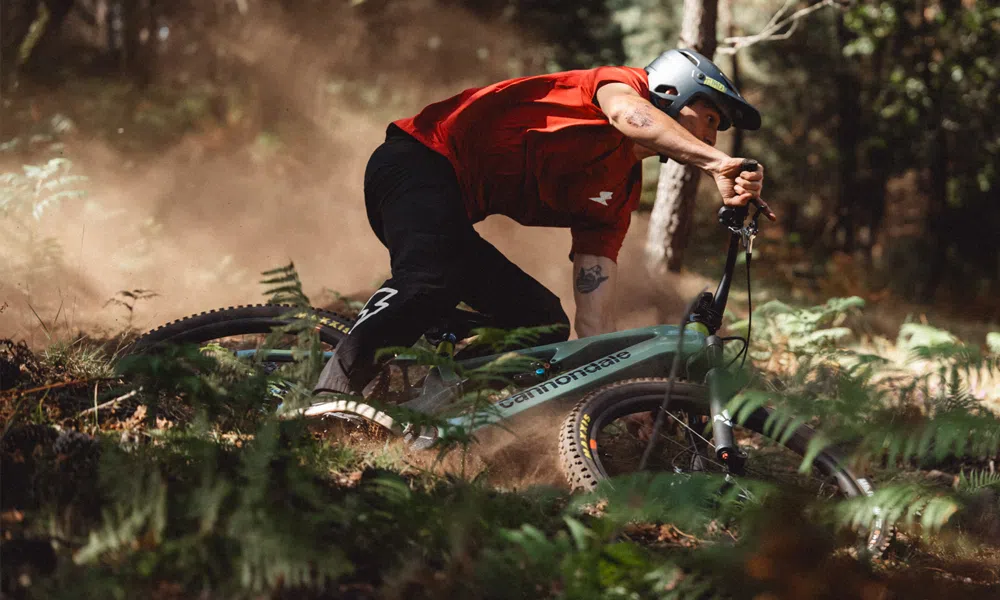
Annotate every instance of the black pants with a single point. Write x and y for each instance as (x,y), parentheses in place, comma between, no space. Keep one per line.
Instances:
(415,208)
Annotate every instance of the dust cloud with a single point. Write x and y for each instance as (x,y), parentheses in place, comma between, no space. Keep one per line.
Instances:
(197,223)
(521,454)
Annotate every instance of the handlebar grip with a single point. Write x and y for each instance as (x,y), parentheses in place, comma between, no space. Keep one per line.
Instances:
(734,216)
(751,165)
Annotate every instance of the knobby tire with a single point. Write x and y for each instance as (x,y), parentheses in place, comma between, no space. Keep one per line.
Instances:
(257,319)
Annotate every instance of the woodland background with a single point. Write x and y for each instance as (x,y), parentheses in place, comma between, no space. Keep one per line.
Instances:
(213,140)
(156,157)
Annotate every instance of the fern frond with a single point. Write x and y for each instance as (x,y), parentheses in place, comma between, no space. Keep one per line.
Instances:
(421,356)
(993,342)
(916,335)
(689,500)
(905,505)
(976,481)
(285,286)
(519,337)
(128,519)
(953,433)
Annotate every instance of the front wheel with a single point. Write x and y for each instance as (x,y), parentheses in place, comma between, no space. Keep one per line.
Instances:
(608,431)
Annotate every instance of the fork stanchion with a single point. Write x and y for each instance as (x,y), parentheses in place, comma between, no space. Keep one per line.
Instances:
(720,388)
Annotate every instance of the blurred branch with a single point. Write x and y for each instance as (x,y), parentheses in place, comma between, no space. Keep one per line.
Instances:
(35,32)
(770,32)
(112,402)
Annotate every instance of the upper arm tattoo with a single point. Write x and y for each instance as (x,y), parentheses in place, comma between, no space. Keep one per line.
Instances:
(588,280)
(639,116)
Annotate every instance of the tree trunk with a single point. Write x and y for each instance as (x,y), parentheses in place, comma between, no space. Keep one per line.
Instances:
(15,22)
(727,24)
(670,221)
(848,137)
(940,225)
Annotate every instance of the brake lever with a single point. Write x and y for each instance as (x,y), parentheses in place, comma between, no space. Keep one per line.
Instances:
(749,232)
(746,230)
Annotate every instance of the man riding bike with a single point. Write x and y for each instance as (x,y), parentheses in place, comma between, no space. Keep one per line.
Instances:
(556,150)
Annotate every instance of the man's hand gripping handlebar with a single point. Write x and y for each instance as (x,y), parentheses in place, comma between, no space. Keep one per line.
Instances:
(734,217)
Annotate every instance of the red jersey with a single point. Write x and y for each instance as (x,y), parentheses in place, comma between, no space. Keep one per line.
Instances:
(540,151)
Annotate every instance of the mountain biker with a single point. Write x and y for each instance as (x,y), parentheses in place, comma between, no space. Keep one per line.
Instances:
(563,150)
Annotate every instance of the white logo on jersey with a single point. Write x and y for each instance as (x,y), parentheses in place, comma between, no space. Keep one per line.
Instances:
(603,198)
(379,305)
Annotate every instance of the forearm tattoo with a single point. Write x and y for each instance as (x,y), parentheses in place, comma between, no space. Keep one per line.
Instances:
(639,116)
(588,280)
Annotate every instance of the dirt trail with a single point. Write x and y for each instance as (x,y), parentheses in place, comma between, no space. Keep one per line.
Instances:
(518,456)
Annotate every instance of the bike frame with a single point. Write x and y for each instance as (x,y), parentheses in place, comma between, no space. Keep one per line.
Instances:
(575,366)
(579,366)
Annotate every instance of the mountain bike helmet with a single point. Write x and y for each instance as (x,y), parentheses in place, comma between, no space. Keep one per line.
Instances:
(679,77)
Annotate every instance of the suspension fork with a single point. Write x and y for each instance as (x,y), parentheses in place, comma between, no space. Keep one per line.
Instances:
(721,389)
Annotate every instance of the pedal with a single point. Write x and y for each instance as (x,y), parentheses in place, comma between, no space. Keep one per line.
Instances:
(439,392)
(349,417)
(340,406)
(420,439)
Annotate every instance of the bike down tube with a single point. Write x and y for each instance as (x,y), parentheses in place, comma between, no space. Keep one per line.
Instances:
(600,371)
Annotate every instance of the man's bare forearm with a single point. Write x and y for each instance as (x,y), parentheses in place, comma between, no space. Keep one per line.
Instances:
(643,123)
(654,132)
(635,117)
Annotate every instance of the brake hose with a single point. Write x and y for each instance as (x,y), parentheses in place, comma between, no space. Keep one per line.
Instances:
(674,367)
(746,346)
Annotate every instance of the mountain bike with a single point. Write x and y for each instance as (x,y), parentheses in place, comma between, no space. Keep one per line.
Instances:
(653,398)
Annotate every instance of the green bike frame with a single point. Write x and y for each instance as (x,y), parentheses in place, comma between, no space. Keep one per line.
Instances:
(574,367)
(578,366)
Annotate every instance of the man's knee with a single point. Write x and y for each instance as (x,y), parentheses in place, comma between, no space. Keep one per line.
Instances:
(561,334)
(549,312)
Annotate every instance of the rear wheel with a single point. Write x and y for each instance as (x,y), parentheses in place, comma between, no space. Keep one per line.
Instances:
(244,328)
(608,431)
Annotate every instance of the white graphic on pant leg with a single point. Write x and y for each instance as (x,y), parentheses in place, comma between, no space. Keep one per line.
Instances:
(603,198)
(378,306)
